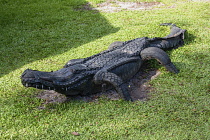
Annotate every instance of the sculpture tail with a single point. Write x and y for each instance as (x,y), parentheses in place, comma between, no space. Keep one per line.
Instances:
(175,31)
(167,24)
(172,41)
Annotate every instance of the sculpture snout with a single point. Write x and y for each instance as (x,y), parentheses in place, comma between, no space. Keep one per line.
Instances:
(28,73)
(33,78)
(45,80)
(29,78)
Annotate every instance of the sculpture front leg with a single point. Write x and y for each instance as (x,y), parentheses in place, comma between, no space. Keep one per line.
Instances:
(111,78)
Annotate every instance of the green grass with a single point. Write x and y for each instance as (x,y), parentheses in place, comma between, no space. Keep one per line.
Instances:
(45,35)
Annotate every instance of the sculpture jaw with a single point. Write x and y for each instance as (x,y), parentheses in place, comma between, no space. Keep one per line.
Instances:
(33,78)
(46,80)
(62,81)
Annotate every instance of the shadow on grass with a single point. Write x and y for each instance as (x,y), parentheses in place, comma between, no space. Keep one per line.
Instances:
(33,30)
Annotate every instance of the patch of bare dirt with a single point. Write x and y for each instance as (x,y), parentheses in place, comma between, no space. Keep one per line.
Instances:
(50,96)
(116,6)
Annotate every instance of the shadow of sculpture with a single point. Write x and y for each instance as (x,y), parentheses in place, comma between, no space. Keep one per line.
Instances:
(30,33)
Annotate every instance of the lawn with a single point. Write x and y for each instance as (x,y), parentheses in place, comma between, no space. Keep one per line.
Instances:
(44,35)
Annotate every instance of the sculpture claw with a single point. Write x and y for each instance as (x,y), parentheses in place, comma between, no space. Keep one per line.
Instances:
(170,67)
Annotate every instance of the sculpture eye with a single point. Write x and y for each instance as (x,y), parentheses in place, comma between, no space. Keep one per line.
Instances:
(73,70)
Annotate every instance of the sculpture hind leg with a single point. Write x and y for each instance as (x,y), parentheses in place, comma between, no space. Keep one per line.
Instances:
(111,78)
(161,56)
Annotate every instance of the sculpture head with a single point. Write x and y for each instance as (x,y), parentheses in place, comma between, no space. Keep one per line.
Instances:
(46,80)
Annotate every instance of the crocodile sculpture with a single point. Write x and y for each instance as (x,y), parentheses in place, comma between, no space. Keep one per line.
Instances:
(111,67)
